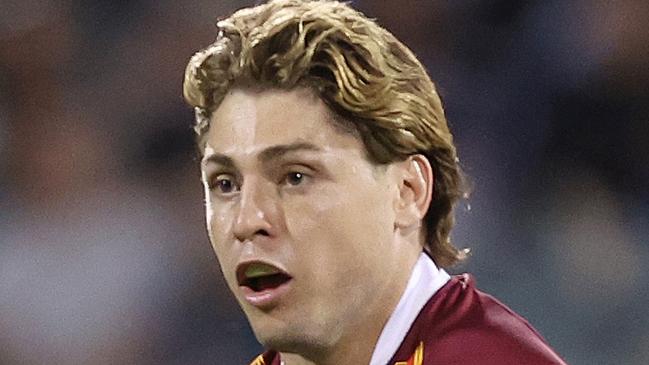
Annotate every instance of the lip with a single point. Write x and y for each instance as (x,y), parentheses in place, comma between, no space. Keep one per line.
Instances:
(266,298)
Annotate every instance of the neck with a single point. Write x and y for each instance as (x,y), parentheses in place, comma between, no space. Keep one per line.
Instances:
(357,345)
(352,350)
(295,359)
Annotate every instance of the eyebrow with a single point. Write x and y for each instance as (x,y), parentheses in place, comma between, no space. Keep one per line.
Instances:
(268,154)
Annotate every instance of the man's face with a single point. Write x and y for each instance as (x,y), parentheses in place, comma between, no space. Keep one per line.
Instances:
(301,222)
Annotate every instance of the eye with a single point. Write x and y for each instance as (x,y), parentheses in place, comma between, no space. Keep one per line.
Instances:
(224,184)
(295,178)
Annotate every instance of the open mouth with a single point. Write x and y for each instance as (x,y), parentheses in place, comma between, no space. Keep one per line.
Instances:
(260,276)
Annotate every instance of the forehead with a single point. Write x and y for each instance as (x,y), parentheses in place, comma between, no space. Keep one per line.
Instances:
(249,121)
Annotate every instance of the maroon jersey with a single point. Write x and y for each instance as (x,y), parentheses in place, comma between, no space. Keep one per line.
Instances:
(462,325)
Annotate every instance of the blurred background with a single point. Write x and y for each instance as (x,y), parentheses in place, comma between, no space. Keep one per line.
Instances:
(104,257)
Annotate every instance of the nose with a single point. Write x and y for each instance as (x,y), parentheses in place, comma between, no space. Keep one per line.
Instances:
(256,211)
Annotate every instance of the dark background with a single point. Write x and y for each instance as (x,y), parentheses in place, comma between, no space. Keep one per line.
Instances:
(104,257)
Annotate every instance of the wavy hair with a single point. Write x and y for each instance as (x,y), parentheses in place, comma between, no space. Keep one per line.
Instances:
(367,77)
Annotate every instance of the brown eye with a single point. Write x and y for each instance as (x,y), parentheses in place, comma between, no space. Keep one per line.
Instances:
(225,185)
(295,178)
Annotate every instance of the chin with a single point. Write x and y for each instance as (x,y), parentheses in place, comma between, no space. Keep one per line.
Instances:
(287,342)
(291,340)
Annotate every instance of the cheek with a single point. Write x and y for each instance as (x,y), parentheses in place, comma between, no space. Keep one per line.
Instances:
(218,227)
(218,222)
(209,206)
(216,217)
(339,226)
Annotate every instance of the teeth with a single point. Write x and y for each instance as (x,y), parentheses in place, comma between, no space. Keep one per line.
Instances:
(257,270)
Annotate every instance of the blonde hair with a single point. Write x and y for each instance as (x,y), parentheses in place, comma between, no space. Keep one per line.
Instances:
(360,70)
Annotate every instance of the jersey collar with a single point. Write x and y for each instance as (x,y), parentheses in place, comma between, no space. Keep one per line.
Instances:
(425,280)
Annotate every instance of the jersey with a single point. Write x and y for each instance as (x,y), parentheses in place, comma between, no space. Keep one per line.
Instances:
(462,325)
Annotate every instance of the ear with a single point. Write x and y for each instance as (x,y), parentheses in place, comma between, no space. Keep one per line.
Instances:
(415,191)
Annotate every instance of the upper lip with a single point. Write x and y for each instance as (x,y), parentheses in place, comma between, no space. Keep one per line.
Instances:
(243,266)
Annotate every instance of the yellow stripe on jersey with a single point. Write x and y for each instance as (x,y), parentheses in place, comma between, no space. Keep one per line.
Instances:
(417,357)
(259,361)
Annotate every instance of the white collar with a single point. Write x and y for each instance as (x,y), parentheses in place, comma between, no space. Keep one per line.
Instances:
(426,279)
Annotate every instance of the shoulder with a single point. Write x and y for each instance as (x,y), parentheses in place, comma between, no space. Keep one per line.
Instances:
(462,325)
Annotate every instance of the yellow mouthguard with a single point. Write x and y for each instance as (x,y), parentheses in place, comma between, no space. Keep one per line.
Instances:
(257,270)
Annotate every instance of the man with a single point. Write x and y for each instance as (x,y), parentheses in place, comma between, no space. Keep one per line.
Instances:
(330,177)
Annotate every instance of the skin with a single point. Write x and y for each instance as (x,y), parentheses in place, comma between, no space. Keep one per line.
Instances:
(347,231)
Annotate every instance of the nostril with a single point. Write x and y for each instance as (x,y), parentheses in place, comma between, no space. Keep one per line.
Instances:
(263,232)
(247,236)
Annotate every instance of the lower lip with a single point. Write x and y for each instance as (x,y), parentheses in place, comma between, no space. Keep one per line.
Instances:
(266,298)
